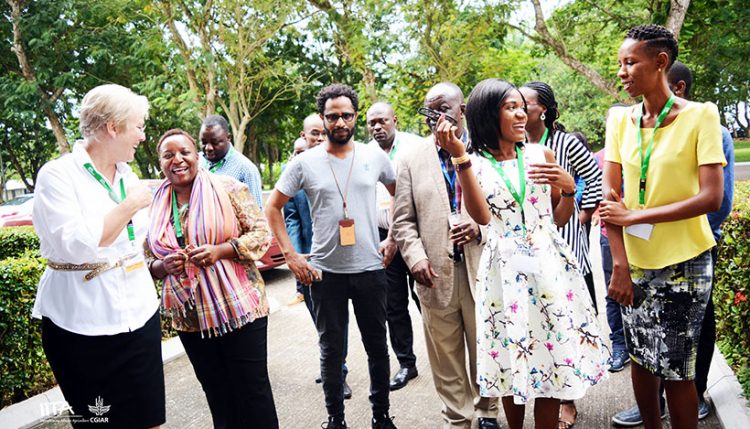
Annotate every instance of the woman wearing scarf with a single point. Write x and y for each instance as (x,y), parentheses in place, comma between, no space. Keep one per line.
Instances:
(206,233)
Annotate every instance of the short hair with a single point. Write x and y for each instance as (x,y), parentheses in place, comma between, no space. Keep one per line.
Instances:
(483,113)
(175,132)
(337,90)
(216,121)
(680,72)
(109,103)
(546,97)
(657,38)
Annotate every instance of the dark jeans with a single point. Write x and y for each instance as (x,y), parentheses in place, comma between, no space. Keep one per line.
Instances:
(614,317)
(400,283)
(330,299)
(233,372)
(305,291)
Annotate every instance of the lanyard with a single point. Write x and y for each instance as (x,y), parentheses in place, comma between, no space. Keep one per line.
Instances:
(451,180)
(544,136)
(176,221)
(647,160)
(217,165)
(518,196)
(346,185)
(95,174)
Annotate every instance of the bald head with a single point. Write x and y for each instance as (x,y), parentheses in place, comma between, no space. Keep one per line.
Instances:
(313,131)
(447,98)
(381,124)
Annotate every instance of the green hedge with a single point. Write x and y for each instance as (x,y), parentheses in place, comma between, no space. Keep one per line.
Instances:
(24,368)
(16,240)
(732,288)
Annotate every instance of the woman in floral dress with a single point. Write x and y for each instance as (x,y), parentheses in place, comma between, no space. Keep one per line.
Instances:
(537,334)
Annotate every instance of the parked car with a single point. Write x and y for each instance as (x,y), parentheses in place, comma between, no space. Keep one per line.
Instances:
(17,212)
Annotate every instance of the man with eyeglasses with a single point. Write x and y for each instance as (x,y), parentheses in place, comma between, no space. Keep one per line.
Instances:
(220,157)
(339,178)
(442,246)
(382,124)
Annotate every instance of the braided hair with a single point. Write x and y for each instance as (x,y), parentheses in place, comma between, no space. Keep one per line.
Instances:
(546,96)
(657,38)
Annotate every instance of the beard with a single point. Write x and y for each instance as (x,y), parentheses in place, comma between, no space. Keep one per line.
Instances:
(339,141)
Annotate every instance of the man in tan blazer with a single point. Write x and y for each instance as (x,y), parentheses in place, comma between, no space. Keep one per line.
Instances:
(444,263)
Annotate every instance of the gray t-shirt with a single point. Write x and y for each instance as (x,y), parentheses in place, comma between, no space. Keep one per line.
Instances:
(311,172)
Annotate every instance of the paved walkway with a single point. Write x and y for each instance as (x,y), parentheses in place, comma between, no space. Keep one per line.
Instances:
(293,365)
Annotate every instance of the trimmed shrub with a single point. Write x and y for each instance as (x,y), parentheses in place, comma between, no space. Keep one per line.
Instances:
(732,288)
(23,365)
(16,240)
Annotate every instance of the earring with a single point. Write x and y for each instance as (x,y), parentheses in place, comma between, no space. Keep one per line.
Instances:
(659,69)
(542,116)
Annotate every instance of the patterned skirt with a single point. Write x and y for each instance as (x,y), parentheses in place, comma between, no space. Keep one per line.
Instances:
(662,332)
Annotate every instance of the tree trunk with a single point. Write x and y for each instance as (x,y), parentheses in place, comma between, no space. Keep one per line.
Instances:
(28,74)
(677,12)
(19,168)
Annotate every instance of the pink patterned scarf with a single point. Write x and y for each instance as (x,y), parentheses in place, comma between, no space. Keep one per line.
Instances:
(221,293)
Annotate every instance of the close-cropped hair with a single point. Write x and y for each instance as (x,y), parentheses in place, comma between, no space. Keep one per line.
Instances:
(175,132)
(657,38)
(216,121)
(337,90)
(110,103)
(483,113)
(681,72)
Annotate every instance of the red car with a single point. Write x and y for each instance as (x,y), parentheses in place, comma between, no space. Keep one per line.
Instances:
(272,259)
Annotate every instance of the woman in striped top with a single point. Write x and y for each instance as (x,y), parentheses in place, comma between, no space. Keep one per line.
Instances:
(578,161)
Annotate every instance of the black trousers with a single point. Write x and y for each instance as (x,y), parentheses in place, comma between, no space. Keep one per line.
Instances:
(233,372)
(400,285)
(330,299)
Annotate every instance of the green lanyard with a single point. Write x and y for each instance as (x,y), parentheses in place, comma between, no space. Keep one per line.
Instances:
(90,168)
(218,165)
(645,161)
(394,148)
(519,197)
(176,221)
(544,136)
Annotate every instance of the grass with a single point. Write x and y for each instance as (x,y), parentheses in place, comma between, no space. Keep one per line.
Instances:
(742,150)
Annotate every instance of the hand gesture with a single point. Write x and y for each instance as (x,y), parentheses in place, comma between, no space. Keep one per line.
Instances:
(138,196)
(303,271)
(615,212)
(204,256)
(174,263)
(550,173)
(423,273)
(464,232)
(445,137)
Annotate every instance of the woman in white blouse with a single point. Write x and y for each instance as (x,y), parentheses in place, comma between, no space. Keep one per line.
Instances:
(96,299)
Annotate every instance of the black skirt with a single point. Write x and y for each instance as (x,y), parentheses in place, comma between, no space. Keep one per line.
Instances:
(111,380)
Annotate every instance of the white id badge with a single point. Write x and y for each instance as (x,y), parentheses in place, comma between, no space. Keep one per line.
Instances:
(523,259)
(640,230)
(133,263)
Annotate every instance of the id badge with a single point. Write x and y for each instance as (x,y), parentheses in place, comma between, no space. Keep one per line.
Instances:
(523,260)
(640,230)
(133,263)
(346,232)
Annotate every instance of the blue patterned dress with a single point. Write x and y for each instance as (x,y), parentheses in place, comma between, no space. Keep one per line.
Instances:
(537,335)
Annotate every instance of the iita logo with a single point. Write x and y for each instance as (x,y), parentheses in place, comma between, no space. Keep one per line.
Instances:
(99,409)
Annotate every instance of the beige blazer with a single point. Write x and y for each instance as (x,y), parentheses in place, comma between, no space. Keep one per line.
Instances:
(420,222)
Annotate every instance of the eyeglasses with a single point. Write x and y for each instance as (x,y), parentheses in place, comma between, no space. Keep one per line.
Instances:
(332,118)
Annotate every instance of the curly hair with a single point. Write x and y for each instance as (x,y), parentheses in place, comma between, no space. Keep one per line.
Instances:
(657,38)
(546,96)
(337,90)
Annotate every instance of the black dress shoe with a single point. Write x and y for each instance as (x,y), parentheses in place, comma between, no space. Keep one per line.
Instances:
(347,391)
(402,377)
(488,423)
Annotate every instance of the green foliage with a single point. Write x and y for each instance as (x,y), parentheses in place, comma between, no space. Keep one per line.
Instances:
(731,291)
(22,361)
(16,241)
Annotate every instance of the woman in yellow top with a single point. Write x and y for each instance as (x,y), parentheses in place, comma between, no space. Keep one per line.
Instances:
(667,153)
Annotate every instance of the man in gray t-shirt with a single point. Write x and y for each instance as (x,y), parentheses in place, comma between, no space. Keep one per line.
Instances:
(340,179)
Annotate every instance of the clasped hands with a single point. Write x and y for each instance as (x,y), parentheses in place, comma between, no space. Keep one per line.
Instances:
(202,256)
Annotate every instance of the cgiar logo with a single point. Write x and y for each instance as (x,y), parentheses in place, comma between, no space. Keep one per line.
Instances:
(99,408)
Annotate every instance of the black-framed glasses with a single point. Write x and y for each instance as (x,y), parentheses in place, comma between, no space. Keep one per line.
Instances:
(332,118)
(433,116)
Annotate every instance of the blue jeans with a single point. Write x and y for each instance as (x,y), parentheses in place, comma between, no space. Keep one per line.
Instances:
(614,317)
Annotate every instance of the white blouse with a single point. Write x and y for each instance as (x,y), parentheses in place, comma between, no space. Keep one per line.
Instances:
(69,210)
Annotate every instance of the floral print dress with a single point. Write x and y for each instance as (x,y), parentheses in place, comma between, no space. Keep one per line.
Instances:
(537,334)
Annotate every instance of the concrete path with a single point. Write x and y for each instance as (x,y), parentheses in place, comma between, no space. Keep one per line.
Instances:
(294,363)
